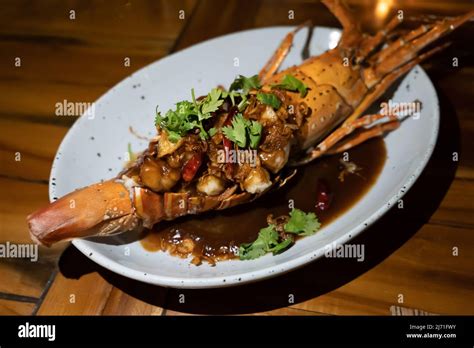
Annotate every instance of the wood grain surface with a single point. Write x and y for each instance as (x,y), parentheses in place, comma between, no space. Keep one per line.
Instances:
(419,259)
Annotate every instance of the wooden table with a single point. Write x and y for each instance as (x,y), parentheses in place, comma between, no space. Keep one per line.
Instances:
(410,267)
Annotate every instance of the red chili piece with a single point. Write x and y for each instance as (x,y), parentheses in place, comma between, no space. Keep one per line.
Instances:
(191,167)
(323,195)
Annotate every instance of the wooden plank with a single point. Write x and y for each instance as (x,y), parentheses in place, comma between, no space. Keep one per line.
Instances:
(122,21)
(457,207)
(78,60)
(24,278)
(227,17)
(84,296)
(16,201)
(35,154)
(35,101)
(120,303)
(84,288)
(424,271)
(93,46)
(8,307)
(86,65)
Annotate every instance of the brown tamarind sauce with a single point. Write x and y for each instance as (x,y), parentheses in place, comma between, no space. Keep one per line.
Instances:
(317,187)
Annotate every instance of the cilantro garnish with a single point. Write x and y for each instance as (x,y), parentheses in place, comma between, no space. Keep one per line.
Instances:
(237,131)
(189,115)
(301,223)
(268,240)
(269,99)
(233,95)
(291,83)
(211,103)
(255,133)
(240,129)
(179,121)
(245,84)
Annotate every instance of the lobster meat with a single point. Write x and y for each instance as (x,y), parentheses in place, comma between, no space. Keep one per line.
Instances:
(181,176)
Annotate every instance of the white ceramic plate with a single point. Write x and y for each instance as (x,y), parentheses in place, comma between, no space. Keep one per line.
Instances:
(94,149)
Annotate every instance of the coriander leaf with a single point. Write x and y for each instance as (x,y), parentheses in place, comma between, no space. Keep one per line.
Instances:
(237,131)
(282,246)
(269,99)
(232,95)
(267,240)
(255,133)
(215,94)
(212,131)
(177,122)
(211,103)
(171,122)
(301,223)
(245,84)
(291,83)
(173,136)
(158,119)
(185,108)
(269,236)
(189,115)
(243,102)
(250,251)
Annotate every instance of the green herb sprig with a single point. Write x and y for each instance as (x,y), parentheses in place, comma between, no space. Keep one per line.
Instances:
(268,240)
(242,129)
(291,83)
(189,115)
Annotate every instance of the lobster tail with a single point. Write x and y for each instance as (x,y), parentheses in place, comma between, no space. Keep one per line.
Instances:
(100,209)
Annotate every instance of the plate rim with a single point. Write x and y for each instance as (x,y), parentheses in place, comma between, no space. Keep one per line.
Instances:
(266,272)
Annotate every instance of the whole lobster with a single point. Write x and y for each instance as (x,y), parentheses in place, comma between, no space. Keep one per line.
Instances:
(175,178)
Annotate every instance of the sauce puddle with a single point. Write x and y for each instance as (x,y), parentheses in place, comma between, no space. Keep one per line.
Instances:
(217,235)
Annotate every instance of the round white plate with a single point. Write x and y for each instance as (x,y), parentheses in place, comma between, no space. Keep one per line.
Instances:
(94,149)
